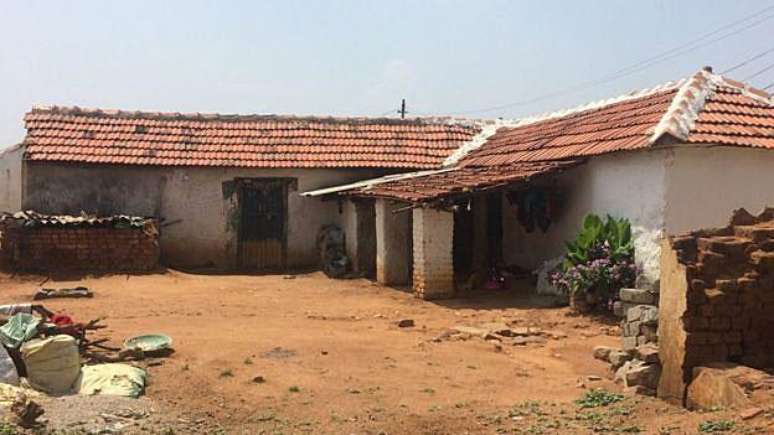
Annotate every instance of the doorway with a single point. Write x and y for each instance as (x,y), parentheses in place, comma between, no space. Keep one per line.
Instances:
(262,236)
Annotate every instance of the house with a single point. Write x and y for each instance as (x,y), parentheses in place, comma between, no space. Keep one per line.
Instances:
(422,202)
(673,158)
(223,186)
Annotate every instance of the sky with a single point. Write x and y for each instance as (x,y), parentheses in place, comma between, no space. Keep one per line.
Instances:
(358,57)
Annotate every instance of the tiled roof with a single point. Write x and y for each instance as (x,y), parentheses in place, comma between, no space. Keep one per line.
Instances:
(257,141)
(447,184)
(705,108)
(732,118)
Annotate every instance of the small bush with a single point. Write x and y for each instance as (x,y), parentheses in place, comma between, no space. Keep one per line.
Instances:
(598,398)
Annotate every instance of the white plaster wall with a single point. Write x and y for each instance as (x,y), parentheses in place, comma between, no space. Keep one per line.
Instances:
(705,184)
(629,184)
(201,229)
(11,178)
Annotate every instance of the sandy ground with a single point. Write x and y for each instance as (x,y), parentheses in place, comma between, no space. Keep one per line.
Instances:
(334,360)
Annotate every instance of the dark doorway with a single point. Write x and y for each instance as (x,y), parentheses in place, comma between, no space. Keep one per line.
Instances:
(463,239)
(366,233)
(262,244)
(494,228)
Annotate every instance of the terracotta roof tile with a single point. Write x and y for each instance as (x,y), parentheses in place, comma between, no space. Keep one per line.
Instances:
(446,185)
(137,138)
(702,109)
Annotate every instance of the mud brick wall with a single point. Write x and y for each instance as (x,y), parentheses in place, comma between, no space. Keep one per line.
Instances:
(80,248)
(724,310)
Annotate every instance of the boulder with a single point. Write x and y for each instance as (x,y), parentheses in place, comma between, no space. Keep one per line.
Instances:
(719,385)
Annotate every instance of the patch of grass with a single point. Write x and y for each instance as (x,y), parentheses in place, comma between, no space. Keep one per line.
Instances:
(294,389)
(248,361)
(186,367)
(714,426)
(7,429)
(529,407)
(598,398)
(631,429)
(226,373)
(428,391)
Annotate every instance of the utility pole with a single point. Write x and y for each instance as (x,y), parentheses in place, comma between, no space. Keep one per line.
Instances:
(402,110)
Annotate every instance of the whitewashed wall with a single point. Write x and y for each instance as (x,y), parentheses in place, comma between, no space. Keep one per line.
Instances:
(11,178)
(629,184)
(704,185)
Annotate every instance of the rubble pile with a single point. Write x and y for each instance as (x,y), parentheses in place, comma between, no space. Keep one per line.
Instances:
(501,333)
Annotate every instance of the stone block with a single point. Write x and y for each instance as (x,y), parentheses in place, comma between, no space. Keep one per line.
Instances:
(637,296)
(643,374)
(629,343)
(649,315)
(620,308)
(647,353)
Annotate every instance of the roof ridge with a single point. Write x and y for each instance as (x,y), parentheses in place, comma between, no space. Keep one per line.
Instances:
(681,116)
(202,116)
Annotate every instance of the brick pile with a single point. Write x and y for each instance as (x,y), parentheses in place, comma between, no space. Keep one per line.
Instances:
(730,296)
(102,249)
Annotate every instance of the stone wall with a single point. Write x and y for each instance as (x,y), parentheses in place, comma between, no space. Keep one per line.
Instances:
(80,248)
(722,310)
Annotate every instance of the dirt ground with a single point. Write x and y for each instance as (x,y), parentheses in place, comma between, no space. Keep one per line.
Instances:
(333,359)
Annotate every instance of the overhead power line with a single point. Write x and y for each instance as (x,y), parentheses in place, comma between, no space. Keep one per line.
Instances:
(769,86)
(759,72)
(694,44)
(747,61)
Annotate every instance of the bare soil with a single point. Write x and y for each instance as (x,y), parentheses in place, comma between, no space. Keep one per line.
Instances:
(333,360)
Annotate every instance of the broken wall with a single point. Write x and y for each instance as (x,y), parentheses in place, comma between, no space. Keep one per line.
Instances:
(86,248)
(717,298)
(197,205)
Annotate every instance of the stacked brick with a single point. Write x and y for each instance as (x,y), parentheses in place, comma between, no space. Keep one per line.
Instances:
(433,274)
(730,296)
(82,248)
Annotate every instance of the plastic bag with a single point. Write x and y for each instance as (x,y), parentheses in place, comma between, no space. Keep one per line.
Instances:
(53,364)
(112,379)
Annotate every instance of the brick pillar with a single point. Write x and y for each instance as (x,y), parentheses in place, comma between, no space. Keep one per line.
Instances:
(433,244)
(393,255)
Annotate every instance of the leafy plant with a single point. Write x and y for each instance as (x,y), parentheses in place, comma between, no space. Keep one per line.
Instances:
(598,398)
(600,261)
(615,233)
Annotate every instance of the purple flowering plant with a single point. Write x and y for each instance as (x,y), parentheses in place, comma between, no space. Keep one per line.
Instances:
(599,262)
